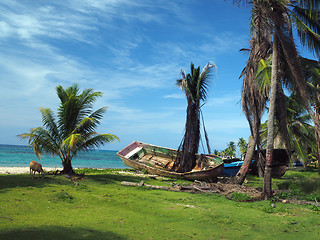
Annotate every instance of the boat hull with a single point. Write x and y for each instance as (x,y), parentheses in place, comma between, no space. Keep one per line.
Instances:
(131,155)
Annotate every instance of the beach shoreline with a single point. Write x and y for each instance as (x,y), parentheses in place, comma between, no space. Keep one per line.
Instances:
(21,170)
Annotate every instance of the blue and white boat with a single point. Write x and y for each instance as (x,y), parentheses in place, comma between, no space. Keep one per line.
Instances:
(231,169)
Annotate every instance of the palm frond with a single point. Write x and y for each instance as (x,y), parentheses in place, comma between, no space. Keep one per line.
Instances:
(72,141)
(203,81)
(49,123)
(263,75)
(94,140)
(42,141)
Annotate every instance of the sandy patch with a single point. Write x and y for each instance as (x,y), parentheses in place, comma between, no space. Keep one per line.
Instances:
(19,170)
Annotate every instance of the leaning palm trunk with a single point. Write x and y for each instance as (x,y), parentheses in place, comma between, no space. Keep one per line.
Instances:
(317,129)
(254,96)
(270,141)
(241,175)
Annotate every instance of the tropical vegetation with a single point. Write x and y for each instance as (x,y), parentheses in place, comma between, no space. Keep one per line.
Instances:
(243,146)
(195,85)
(300,131)
(272,29)
(73,130)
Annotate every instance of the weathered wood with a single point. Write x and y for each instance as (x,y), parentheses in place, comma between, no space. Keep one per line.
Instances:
(132,184)
(175,188)
(159,161)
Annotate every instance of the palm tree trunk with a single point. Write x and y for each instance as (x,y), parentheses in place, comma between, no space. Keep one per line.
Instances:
(242,173)
(270,141)
(67,167)
(186,161)
(317,129)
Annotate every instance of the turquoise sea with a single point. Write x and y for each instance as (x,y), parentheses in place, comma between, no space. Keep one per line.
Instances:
(21,156)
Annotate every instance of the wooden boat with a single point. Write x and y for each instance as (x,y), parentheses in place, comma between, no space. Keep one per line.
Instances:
(279,165)
(159,161)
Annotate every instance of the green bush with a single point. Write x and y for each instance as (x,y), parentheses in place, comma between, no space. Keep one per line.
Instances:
(284,185)
(284,195)
(315,208)
(63,196)
(239,197)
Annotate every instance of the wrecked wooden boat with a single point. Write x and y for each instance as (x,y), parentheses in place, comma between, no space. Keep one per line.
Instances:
(279,164)
(159,161)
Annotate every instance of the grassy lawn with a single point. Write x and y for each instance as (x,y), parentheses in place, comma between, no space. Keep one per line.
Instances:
(99,207)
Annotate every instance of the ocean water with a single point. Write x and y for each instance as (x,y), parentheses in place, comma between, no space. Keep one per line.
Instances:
(21,156)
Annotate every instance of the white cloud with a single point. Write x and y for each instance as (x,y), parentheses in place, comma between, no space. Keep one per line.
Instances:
(105,45)
(175,96)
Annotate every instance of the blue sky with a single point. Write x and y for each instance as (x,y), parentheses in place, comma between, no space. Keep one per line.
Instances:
(132,51)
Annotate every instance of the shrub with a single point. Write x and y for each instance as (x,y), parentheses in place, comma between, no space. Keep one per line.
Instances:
(63,196)
(239,197)
(315,208)
(284,185)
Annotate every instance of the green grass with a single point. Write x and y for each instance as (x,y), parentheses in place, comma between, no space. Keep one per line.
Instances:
(300,185)
(99,207)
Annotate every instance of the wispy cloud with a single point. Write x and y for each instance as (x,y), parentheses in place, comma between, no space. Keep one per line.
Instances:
(175,96)
(124,48)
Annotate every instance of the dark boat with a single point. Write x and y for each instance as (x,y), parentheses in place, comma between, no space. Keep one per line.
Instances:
(279,165)
(159,161)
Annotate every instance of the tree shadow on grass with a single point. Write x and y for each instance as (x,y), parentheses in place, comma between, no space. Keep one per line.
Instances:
(113,178)
(57,232)
(24,180)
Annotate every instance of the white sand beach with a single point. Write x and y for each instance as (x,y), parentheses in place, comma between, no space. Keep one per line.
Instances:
(19,170)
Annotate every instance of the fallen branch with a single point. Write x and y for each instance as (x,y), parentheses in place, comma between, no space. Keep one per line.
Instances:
(175,188)
(132,184)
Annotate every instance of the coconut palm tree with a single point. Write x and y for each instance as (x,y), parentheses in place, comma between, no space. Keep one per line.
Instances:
(281,16)
(300,131)
(312,75)
(243,145)
(230,151)
(254,95)
(195,85)
(74,129)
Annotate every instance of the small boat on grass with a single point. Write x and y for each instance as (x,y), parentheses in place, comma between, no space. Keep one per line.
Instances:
(231,169)
(279,164)
(159,161)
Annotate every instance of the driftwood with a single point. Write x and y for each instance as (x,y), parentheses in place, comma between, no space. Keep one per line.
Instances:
(205,187)
(132,184)
(175,187)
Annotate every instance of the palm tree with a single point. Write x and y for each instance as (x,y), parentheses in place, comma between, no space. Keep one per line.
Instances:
(195,86)
(231,149)
(281,15)
(74,129)
(216,152)
(299,130)
(312,75)
(243,145)
(254,96)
